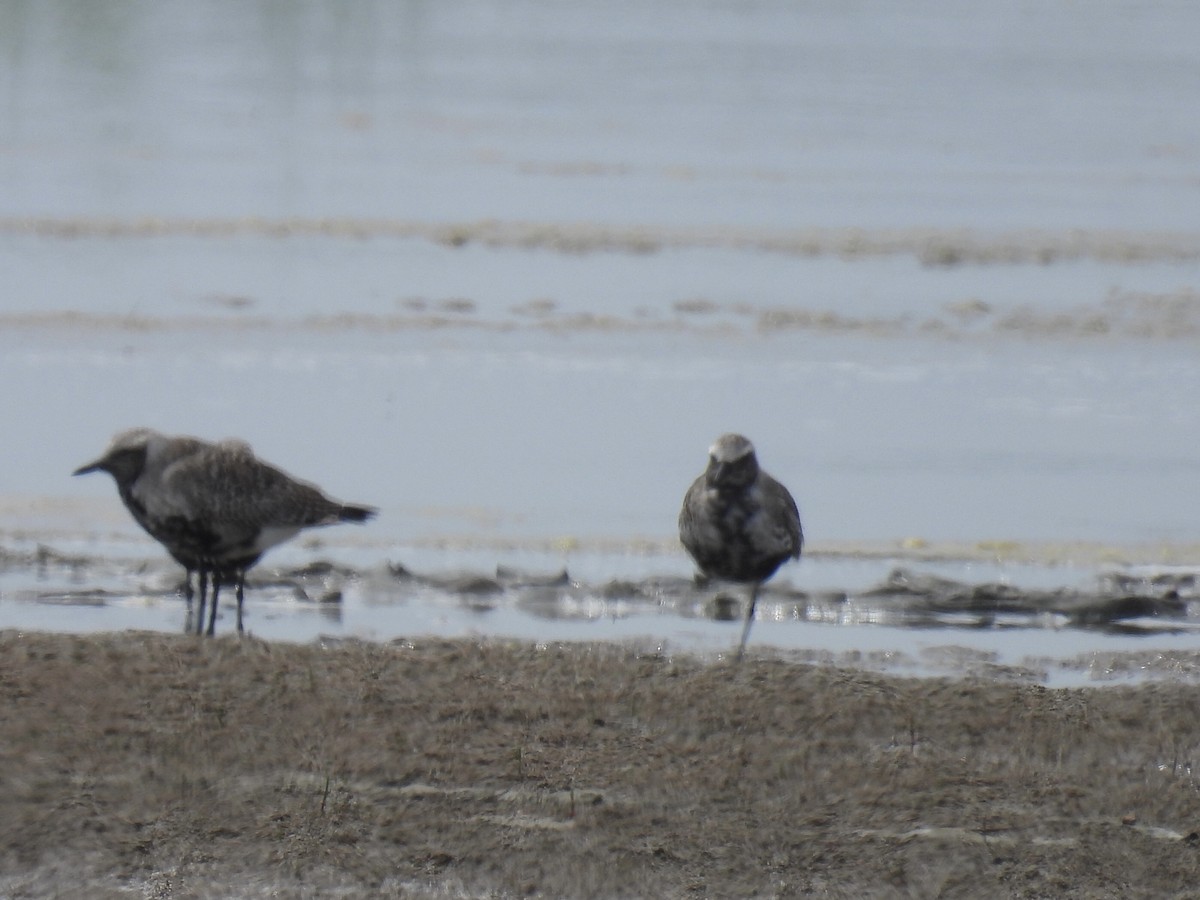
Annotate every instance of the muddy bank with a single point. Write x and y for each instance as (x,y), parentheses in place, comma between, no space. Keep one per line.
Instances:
(164,766)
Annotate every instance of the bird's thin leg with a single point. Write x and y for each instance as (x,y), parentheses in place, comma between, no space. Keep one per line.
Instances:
(749,619)
(188,595)
(202,578)
(212,613)
(241,587)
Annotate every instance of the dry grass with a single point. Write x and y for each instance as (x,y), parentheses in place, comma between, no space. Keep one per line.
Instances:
(163,766)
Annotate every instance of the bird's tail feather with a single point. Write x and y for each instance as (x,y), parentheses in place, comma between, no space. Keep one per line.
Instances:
(352,513)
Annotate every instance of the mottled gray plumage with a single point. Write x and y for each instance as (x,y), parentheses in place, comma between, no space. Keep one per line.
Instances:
(737,522)
(215,507)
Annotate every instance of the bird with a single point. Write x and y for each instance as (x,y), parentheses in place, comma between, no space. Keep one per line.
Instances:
(214,506)
(738,523)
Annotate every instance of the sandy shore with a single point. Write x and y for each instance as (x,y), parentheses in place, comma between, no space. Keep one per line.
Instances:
(140,764)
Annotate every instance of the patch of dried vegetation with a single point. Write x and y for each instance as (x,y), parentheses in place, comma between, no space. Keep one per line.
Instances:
(172,767)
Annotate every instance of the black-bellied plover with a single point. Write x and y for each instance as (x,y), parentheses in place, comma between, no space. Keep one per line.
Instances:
(737,522)
(215,507)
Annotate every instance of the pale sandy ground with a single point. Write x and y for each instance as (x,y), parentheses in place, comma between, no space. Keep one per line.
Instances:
(148,765)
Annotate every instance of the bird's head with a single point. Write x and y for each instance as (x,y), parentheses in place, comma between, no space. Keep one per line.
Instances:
(732,465)
(125,457)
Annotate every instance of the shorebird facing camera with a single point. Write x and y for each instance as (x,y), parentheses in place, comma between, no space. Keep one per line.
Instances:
(215,507)
(738,523)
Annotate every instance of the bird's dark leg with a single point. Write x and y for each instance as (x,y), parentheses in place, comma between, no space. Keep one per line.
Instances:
(241,587)
(202,578)
(212,613)
(188,594)
(749,619)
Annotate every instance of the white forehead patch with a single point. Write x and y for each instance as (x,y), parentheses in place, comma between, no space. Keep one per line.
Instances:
(235,445)
(131,439)
(730,448)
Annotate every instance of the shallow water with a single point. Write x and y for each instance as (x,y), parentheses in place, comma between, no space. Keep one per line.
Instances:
(505,270)
(1008,620)
(998,115)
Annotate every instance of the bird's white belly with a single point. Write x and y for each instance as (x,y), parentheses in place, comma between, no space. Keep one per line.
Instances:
(272,535)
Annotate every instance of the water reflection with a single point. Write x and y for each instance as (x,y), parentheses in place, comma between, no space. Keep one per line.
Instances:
(671,111)
(910,609)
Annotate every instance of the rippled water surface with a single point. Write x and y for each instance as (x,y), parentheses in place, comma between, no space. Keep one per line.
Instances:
(506,269)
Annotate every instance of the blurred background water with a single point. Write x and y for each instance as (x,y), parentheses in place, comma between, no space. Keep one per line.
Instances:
(505,269)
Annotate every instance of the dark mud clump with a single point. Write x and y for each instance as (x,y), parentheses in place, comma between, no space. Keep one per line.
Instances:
(913,598)
(165,766)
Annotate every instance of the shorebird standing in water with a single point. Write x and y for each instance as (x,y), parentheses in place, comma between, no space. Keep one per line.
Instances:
(738,523)
(215,507)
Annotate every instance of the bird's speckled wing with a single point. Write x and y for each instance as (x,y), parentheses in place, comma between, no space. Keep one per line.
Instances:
(697,530)
(234,494)
(783,514)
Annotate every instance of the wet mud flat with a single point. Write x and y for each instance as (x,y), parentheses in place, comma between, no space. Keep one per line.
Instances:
(140,764)
(1050,626)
